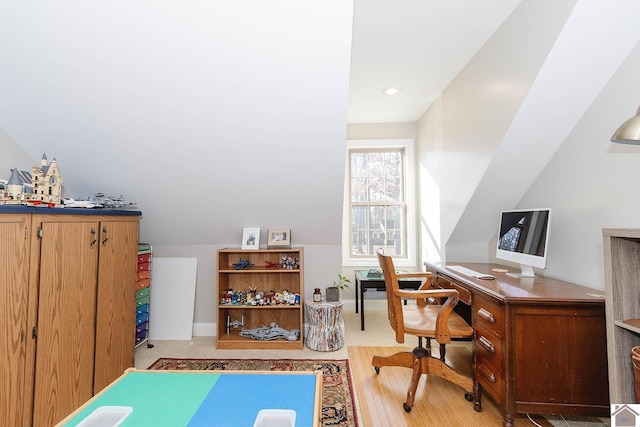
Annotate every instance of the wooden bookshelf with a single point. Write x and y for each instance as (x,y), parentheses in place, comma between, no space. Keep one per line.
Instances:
(261,276)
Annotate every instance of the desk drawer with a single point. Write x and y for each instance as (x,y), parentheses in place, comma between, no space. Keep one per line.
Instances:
(489,347)
(463,294)
(490,377)
(489,314)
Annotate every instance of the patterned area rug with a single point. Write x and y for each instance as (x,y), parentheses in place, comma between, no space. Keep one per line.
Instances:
(337,392)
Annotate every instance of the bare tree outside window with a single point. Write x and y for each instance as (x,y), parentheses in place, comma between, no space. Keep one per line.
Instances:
(377,202)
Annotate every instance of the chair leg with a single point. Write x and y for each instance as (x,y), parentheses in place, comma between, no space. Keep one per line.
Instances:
(418,353)
(443,351)
(420,362)
(403,359)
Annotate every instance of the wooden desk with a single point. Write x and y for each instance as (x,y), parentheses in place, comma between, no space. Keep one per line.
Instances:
(539,344)
(364,282)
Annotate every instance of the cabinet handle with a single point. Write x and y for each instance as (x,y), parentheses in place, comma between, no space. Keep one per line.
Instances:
(487,344)
(487,373)
(486,315)
(106,236)
(93,234)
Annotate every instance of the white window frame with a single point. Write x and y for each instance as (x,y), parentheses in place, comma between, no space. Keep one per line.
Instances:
(410,199)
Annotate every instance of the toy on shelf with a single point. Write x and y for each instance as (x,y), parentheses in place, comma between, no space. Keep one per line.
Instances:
(289,263)
(41,186)
(272,264)
(253,297)
(234,324)
(272,332)
(99,200)
(242,264)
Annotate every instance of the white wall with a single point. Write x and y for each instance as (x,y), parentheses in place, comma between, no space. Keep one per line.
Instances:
(461,132)
(592,183)
(211,116)
(12,155)
(322,262)
(595,37)
(381,131)
(588,182)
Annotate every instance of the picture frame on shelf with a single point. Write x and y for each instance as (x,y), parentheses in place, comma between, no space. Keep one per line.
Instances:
(251,238)
(279,238)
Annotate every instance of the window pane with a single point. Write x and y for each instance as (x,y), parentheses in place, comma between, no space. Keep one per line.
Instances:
(378,208)
(377,176)
(359,227)
(375,227)
(358,163)
(359,190)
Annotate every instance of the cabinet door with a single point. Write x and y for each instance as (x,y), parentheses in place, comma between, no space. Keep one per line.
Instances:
(115,321)
(14,268)
(66,319)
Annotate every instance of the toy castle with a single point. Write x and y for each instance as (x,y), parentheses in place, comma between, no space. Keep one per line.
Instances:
(42,186)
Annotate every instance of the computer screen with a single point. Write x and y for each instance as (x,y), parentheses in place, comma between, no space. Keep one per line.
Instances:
(523,237)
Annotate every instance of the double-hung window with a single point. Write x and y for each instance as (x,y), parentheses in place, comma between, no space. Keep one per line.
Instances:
(379,205)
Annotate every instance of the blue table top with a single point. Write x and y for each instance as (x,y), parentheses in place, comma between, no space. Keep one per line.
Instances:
(206,398)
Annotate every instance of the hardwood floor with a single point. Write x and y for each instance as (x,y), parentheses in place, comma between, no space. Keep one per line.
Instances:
(438,402)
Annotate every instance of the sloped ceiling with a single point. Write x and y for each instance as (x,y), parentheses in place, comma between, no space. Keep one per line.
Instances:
(214,116)
(593,43)
(211,116)
(418,46)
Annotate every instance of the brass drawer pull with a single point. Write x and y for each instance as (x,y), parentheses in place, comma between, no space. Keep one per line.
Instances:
(487,344)
(487,373)
(486,315)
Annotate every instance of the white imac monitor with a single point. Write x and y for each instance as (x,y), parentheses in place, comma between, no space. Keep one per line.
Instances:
(523,237)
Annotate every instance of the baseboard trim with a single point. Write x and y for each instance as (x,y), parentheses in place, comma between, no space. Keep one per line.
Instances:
(204,330)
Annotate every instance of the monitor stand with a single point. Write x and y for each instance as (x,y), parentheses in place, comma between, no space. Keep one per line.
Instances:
(526,272)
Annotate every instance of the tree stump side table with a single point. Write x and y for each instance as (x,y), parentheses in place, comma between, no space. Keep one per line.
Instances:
(326,326)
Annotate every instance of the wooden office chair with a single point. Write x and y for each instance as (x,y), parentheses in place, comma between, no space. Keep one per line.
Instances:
(429,319)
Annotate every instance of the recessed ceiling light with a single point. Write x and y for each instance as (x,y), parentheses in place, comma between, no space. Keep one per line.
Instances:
(392,90)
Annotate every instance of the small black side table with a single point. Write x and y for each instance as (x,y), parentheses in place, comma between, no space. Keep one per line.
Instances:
(364,282)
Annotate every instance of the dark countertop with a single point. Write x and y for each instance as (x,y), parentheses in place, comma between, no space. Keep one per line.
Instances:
(9,209)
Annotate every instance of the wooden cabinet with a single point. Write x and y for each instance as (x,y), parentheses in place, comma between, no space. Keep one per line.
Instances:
(622,289)
(262,276)
(117,266)
(14,332)
(77,336)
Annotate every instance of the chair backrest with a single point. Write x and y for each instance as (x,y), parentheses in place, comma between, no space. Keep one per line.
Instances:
(394,309)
